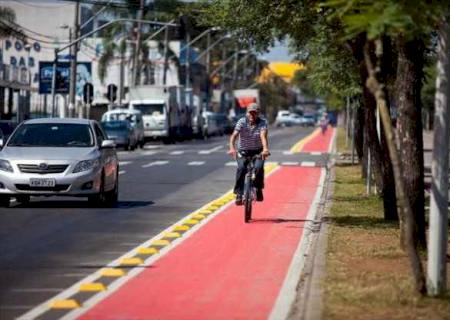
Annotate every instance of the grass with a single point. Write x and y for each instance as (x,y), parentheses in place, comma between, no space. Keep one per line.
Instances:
(368,275)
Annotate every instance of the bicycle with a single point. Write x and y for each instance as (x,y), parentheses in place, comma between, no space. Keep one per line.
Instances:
(249,190)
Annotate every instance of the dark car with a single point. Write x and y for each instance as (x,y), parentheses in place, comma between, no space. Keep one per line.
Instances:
(6,128)
(122,132)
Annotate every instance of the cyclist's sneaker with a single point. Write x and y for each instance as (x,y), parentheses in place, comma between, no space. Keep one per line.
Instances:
(238,200)
(259,195)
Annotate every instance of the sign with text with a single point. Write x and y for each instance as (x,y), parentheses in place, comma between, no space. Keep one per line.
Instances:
(62,76)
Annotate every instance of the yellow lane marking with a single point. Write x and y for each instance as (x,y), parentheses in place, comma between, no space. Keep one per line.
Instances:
(92,287)
(160,243)
(65,304)
(131,262)
(172,235)
(181,228)
(190,222)
(300,144)
(112,272)
(147,250)
(198,217)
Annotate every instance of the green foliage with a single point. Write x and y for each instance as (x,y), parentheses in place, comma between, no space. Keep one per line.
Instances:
(386,17)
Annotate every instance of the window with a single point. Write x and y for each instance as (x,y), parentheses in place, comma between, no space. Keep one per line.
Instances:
(52,135)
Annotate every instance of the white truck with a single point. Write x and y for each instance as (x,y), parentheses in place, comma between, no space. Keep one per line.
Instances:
(244,97)
(160,110)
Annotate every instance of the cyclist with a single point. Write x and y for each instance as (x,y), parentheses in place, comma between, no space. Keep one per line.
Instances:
(253,140)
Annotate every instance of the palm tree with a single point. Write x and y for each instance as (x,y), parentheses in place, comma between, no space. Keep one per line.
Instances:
(116,46)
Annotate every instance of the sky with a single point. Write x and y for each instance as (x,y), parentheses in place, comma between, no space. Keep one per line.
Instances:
(279,52)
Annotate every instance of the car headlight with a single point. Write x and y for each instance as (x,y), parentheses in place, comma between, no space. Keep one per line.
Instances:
(5,166)
(86,165)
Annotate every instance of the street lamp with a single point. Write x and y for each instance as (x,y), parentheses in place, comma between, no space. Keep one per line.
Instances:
(76,41)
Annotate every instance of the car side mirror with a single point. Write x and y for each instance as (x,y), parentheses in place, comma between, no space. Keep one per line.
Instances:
(108,144)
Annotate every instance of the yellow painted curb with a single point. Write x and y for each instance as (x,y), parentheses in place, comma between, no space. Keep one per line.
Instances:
(147,250)
(90,287)
(181,228)
(190,222)
(172,235)
(203,212)
(131,262)
(160,243)
(112,272)
(213,207)
(198,217)
(65,304)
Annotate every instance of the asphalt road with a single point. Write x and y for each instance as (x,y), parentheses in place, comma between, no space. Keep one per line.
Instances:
(51,243)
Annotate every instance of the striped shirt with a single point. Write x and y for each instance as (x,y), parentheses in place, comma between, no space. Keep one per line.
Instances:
(249,135)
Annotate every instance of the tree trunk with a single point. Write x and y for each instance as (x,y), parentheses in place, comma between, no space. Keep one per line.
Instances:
(359,130)
(404,208)
(409,128)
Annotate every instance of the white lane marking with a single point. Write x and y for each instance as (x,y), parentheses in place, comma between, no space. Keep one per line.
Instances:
(176,152)
(124,163)
(210,150)
(287,152)
(196,163)
(308,164)
(231,164)
(288,290)
(289,163)
(148,147)
(122,172)
(155,163)
(316,153)
(149,153)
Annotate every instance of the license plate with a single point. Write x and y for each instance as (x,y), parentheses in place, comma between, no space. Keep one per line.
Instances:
(42,182)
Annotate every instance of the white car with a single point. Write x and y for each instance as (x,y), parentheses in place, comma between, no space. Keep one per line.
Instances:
(63,157)
(286,119)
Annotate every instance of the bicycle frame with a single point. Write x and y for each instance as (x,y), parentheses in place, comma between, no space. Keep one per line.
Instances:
(249,190)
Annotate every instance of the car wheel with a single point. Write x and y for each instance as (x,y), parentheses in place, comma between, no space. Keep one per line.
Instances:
(4,201)
(23,199)
(113,195)
(99,199)
(141,144)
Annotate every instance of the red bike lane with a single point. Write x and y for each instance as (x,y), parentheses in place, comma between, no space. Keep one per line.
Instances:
(227,269)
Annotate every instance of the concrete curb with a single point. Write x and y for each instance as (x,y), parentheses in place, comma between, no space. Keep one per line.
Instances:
(308,303)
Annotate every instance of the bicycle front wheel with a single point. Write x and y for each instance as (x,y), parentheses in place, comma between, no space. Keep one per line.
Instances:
(248,200)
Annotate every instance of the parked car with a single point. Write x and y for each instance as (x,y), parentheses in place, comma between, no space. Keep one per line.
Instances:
(211,125)
(309,120)
(226,127)
(286,119)
(63,157)
(133,116)
(122,133)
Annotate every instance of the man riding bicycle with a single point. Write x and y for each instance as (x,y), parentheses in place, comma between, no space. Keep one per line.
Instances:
(253,140)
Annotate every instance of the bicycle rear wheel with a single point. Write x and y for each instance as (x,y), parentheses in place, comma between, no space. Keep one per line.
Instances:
(248,200)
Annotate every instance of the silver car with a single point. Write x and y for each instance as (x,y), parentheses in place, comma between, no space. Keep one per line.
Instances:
(65,157)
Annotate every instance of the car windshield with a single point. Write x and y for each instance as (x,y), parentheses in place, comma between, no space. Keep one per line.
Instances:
(149,109)
(115,125)
(52,135)
(121,116)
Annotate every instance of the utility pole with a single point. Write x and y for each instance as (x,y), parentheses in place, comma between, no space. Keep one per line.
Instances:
(166,55)
(73,62)
(136,68)
(188,58)
(437,251)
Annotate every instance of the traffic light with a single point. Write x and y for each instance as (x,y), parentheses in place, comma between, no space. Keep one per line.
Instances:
(88,92)
(111,94)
